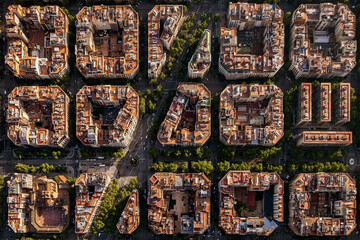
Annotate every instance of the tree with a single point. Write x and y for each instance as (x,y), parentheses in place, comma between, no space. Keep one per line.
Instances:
(216,17)
(187,153)
(142,105)
(288,135)
(133,184)
(287,19)
(292,168)
(159,89)
(168,152)
(185,167)
(227,153)
(272,167)
(223,167)
(202,166)
(56,154)
(157,167)
(243,166)
(202,153)
(162,76)
(151,106)
(153,152)
(258,167)
(171,167)
(153,81)
(164,167)
(335,155)
(177,153)
(118,154)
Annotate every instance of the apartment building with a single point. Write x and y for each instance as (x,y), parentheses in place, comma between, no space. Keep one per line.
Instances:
(322,40)
(164,23)
(248,188)
(179,203)
(342,99)
(330,105)
(253,43)
(106,115)
(90,190)
(130,217)
(322,204)
(304,105)
(107,41)
(37,204)
(188,121)
(251,114)
(324,138)
(37,116)
(200,61)
(323,104)
(37,42)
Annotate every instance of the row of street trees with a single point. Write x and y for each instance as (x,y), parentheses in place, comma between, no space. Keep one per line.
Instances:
(195,166)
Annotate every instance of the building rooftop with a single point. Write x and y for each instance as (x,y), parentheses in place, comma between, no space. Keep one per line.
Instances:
(251,115)
(325,102)
(90,190)
(130,217)
(248,49)
(331,105)
(188,121)
(322,42)
(164,23)
(324,138)
(201,59)
(245,187)
(106,115)
(179,203)
(37,204)
(38,116)
(344,102)
(107,41)
(322,204)
(37,41)
(305,111)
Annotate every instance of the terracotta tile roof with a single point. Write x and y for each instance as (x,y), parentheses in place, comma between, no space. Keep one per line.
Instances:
(112,128)
(29,56)
(107,41)
(242,186)
(189,187)
(188,120)
(251,115)
(311,194)
(32,105)
(332,51)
